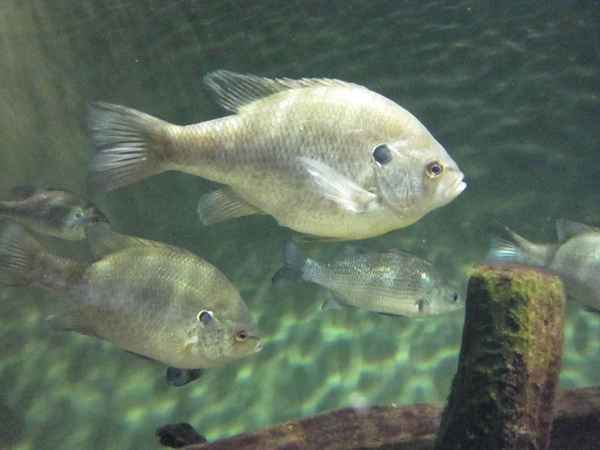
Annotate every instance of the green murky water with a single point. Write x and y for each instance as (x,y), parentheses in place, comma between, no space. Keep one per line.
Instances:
(511,89)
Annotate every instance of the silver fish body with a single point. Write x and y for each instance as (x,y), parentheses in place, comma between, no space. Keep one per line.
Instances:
(392,282)
(323,157)
(575,258)
(148,298)
(52,212)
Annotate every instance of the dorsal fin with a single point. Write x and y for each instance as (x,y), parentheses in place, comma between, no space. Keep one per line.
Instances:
(103,241)
(236,90)
(566,229)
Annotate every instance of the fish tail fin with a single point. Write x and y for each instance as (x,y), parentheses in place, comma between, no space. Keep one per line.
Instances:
(24,262)
(129,144)
(515,249)
(293,264)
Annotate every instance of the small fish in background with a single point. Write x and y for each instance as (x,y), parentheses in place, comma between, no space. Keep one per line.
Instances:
(324,157)
(575,258)
(392,282)
(52,212)
(151,299)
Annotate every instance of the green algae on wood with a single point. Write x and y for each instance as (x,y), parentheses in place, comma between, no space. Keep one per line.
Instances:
(503,392)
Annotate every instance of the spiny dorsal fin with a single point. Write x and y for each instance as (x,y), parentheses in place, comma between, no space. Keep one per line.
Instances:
(566,229)
(103,241)
(236,90)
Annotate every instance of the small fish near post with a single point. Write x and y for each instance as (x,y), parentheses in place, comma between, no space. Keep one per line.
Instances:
(503,392)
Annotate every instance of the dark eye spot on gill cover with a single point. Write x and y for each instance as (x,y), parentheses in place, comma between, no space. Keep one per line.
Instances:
(382,154)
(205,317)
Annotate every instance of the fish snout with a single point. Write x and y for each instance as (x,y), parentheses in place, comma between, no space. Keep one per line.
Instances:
(459,185)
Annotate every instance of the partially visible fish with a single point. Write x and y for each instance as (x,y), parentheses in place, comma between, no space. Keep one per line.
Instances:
(52,212)
(152,299)
(324,157)
(575,258)
(392,282)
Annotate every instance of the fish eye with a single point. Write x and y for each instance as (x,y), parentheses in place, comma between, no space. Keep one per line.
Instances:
(434,169)
(382,154)
(241,336)
(420,306)
(455,297)
(78,214)
(205,317)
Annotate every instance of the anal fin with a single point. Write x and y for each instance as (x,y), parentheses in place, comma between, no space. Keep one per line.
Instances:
(69,321)
(223,204)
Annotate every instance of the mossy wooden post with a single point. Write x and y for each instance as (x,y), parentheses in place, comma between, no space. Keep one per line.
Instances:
(503,392)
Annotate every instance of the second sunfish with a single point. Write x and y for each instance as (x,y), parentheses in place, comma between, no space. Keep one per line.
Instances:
(152,299)
(323,157)
(392,282)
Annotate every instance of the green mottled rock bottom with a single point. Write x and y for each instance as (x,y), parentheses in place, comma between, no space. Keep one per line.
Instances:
(503,392)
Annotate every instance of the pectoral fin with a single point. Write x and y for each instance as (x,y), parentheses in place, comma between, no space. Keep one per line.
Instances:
(223,204)
(338,188)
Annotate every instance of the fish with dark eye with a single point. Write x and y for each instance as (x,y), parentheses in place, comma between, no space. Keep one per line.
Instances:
(52,212)
(146,297)
(324,157)
(391,282)
(575,258)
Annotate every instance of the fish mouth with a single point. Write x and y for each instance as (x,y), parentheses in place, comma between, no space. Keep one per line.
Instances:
(259,346)
(458,186)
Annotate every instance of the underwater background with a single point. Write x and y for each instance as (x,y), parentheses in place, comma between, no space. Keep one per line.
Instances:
(511,89)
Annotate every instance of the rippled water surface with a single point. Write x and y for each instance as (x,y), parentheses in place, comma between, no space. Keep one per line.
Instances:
(511,89)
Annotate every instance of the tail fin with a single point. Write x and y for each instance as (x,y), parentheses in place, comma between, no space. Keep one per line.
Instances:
(518,250)
(24,261)
(129,145)
(293,264)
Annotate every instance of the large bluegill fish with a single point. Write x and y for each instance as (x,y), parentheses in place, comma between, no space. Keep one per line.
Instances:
(323,157)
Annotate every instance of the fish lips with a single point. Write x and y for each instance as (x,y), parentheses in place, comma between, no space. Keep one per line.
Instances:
(454,190)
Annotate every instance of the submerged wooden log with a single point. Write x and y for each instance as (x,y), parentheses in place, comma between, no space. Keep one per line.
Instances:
(576,427)
(503,392)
